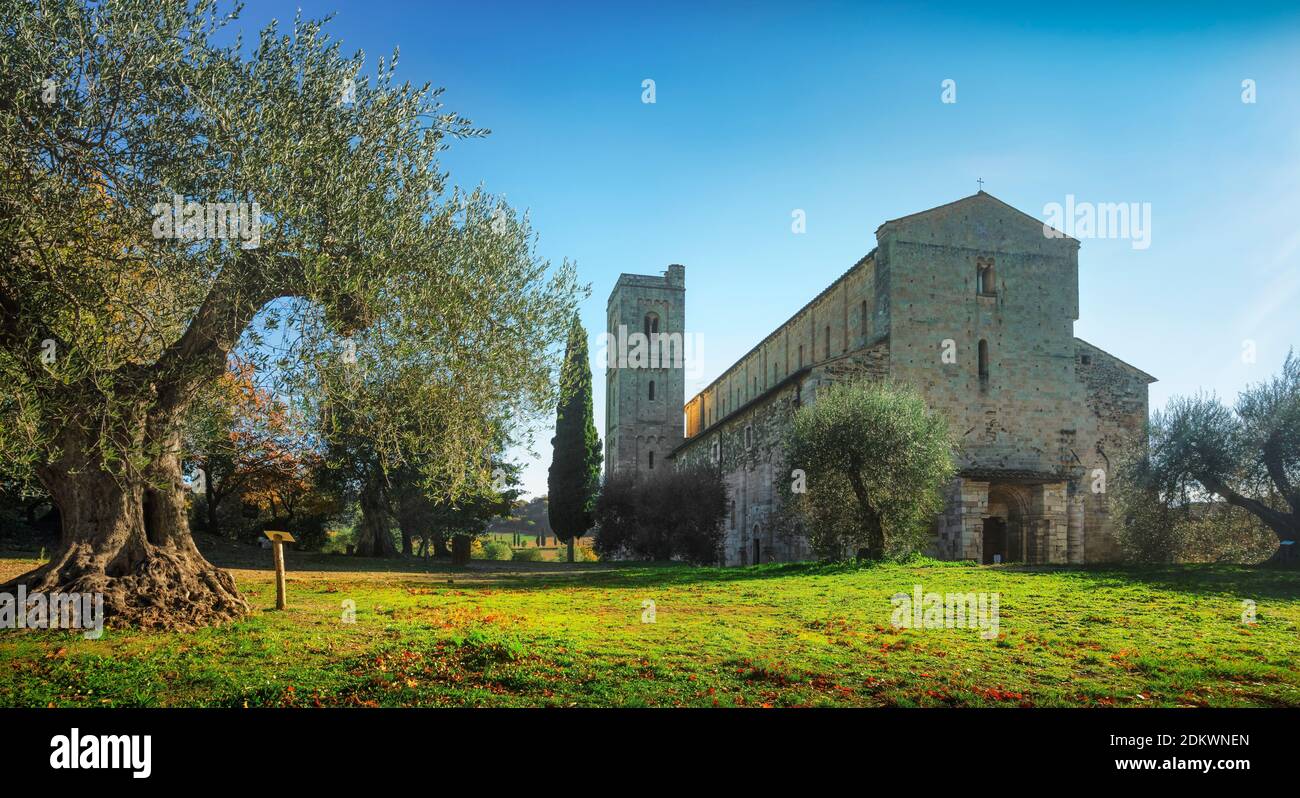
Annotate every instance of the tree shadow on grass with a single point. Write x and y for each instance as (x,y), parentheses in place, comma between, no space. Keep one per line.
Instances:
(509,575)
(505,574)
(1235,581)
(645,575)
(1218,580)
(1232,581)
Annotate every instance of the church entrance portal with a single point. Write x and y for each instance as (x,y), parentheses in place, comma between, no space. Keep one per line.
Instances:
(1007,525)
(995,540)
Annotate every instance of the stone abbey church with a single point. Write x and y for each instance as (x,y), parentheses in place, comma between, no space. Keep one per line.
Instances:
(969,302)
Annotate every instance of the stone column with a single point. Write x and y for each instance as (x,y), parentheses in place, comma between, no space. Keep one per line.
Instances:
(1074,537)
(1049,520)
(961,526)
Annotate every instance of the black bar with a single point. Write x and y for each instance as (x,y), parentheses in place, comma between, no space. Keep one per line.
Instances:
(216,747)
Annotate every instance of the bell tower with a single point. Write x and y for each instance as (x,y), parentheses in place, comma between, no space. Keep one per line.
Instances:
(645,375)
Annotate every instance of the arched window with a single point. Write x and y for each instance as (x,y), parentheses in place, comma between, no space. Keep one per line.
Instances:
(862,318)
(985,279)
(652,460)
(828,340)
(651,324)
(984,362)
(652,390)
(749,436)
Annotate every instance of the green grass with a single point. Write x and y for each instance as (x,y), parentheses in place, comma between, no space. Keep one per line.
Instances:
(543,634)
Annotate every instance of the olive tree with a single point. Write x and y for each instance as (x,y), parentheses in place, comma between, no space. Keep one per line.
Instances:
(1247,455)
(873,459)
(161,193)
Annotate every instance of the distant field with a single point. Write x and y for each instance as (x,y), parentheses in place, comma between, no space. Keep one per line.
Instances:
(552,551)
(541,634)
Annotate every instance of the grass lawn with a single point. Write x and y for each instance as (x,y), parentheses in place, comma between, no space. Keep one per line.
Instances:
(552,634)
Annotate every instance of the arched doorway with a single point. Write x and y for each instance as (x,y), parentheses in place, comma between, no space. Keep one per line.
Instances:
(1004,537)
(995,540)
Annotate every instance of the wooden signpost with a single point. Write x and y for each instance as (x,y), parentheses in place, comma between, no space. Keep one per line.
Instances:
(278,539)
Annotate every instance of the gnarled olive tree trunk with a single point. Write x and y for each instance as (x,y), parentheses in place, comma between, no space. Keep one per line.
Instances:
(125,530)
(1285,525)
(126,535)
(873,530)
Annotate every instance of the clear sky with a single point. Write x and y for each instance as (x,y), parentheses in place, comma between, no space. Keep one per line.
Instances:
(836,109)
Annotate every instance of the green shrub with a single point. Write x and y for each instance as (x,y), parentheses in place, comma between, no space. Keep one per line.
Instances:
(675,514)
(528,555)
(493,550)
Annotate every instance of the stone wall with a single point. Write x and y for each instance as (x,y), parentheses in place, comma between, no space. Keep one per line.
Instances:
(971,304)
(841,319)
(1013,417)
(637,427)
(748,447)
(1115,394)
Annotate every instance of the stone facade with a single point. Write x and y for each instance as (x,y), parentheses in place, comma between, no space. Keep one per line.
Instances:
(972,304)
(645,379)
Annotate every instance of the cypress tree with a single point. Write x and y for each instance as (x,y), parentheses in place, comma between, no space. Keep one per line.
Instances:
(574,477)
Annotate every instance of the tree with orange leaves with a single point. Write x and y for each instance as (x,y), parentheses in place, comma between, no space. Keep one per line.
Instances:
(240,442)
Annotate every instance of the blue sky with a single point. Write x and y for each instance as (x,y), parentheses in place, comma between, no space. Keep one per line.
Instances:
(836,109)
